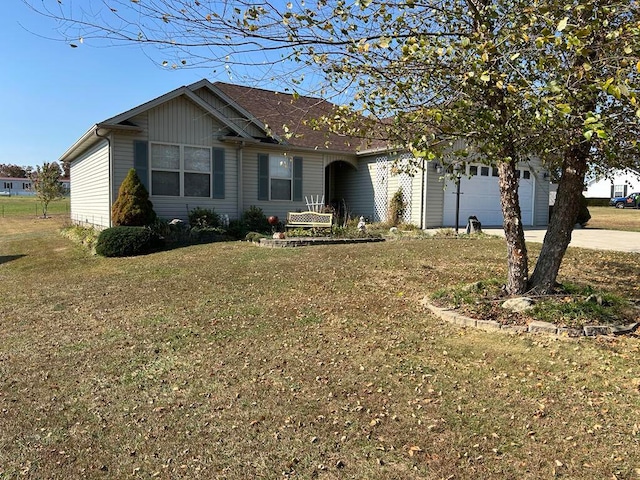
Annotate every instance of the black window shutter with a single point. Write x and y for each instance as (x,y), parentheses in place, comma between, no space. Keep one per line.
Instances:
(263,177)
(297,179)
(141,161)
(218,173)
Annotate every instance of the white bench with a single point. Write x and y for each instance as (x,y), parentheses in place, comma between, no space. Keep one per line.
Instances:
(309,220)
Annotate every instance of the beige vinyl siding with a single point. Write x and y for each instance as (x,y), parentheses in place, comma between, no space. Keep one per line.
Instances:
(312,182)
(90,187)
(179,121)
(433,198)
(416,197)
(541,201)
(229,112)
(122,145)
(356,187)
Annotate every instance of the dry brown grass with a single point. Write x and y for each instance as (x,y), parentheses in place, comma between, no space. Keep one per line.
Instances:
(231,361)
(611,218)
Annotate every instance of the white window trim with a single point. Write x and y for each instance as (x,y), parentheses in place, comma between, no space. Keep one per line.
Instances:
(181,170)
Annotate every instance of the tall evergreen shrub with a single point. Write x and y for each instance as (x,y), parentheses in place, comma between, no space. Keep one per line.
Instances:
(132,207)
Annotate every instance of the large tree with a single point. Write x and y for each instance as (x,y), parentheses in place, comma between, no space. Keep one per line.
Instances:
(498,80)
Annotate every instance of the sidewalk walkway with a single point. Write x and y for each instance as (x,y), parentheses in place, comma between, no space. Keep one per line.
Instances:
(585,238)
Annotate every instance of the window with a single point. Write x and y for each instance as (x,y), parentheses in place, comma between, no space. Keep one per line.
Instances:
(8,185)
(26,185)
(279,178)
(484,171)
(197,172)
(526,174)
(494,172)
(473,170)
(518,173)
(618,191)
(182,170)
(165,170)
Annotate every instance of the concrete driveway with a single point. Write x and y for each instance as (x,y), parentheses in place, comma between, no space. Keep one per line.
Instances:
(585,238)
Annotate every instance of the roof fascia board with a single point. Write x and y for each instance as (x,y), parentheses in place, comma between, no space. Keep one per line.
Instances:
(145,106)
(89,134)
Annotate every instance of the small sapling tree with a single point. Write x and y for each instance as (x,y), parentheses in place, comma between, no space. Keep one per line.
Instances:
(46,183)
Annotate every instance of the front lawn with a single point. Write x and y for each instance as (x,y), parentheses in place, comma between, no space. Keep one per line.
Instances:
(232,361)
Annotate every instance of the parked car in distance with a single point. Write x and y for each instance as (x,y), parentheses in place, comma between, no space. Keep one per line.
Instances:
(624,202)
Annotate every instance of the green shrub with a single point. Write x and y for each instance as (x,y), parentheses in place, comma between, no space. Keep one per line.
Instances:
(127,241)
(254,220)
(132,207)
(204,218)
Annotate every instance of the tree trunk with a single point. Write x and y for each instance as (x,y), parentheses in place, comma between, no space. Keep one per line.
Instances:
(563,219)
(517,258)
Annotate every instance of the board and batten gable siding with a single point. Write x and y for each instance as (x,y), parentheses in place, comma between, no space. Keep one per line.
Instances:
(181,121)
(229,112)
(312,182)
(90,187)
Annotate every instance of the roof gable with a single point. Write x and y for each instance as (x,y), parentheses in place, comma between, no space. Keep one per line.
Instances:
(278,112)
(182,91)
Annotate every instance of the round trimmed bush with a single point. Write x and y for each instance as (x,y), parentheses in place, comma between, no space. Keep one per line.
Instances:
(127,241)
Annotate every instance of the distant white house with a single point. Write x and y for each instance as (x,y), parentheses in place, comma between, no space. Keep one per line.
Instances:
(11,186)
(619,183)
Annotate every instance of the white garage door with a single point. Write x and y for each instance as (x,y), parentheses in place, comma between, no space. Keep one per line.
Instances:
(480,196)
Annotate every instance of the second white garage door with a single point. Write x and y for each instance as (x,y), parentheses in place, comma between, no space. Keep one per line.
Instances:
(480,197)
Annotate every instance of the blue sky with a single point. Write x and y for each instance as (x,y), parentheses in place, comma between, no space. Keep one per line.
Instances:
(50,93)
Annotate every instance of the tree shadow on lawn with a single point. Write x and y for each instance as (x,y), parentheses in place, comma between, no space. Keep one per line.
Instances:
(9,258)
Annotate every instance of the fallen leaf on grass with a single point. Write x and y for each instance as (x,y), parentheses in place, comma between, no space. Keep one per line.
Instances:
(413,450)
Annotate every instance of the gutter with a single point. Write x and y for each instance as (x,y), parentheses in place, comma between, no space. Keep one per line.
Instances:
(286,146)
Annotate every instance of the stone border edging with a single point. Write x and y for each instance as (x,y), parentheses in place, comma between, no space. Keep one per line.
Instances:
(533,327)
(310,241)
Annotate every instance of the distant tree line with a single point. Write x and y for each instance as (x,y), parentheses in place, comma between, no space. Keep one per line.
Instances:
(16,171)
